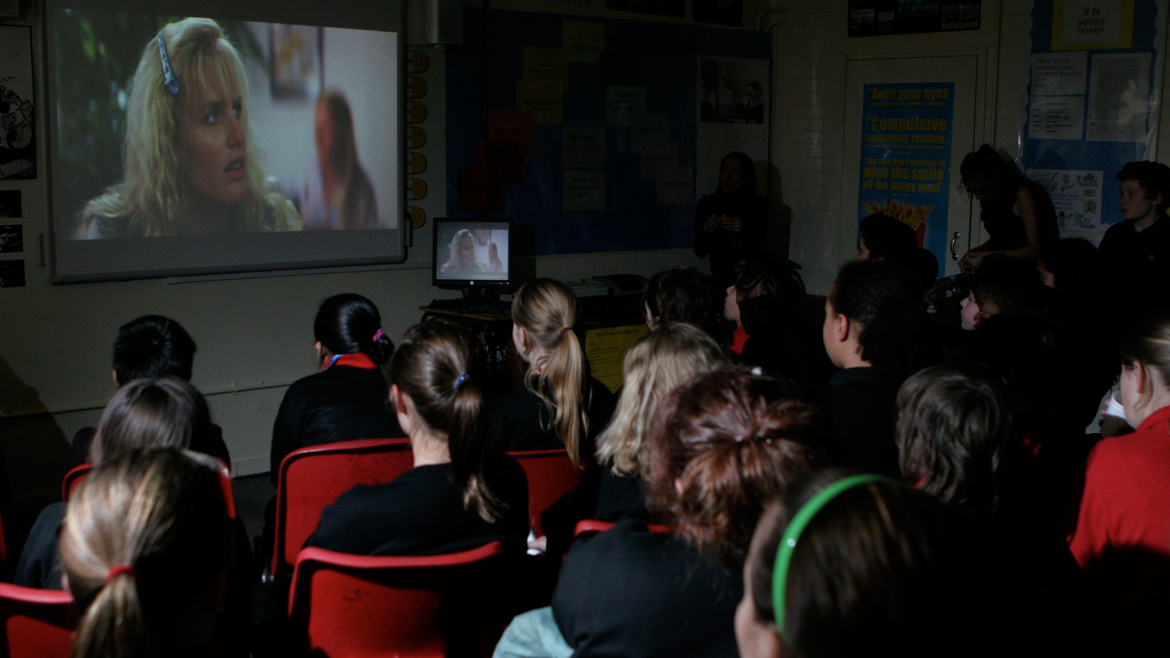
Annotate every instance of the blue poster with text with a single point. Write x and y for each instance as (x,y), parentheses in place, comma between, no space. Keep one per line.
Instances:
(906,157)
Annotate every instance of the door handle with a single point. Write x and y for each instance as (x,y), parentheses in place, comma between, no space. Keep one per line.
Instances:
(954,239)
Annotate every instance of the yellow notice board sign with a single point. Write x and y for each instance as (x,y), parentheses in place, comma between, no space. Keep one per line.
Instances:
(1092,24)
(606,349)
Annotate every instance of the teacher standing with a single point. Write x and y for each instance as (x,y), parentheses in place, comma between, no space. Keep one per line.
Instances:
(729,224)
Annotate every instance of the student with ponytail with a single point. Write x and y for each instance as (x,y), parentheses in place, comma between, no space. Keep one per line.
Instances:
(561,405)
(460,494)
(877,331)
(346,400)
(722,444)
(146,545)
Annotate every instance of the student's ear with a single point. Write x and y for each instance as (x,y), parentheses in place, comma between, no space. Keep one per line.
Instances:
(114,374)
(320,350)
(520,339)
(678,486)
(401,408)
(841,328)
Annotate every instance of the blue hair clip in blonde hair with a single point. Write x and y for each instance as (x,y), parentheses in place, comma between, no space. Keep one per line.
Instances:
(169,79)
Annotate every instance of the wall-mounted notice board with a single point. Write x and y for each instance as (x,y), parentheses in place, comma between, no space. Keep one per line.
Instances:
(601,133)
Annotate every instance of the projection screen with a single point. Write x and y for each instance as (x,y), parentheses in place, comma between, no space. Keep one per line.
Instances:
(207,136)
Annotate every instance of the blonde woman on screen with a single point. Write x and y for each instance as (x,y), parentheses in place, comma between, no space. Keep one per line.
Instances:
(462,254)
(190,164)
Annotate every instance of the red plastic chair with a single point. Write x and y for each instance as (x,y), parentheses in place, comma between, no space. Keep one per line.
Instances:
(72,479)
(345,606)
(78,473)
(312,478)
(551,475)
(36,622)
(593,526)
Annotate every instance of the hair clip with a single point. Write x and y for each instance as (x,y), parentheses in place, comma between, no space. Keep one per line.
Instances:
(169,79)
(378,334)
(460,379)
(119,569)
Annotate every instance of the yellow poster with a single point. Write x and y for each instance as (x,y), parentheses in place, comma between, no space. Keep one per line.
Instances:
(606,350)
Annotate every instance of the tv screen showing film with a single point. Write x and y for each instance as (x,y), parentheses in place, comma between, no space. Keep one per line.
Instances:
(235,139)
(471,251)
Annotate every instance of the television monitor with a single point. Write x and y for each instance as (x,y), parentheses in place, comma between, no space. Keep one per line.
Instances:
(213,136)
(472,255)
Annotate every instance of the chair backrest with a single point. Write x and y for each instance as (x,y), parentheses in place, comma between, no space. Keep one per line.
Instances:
(593,526)
(36,623)
(551,475)
(312,478)
(72,479)
(78,473)
(412,607)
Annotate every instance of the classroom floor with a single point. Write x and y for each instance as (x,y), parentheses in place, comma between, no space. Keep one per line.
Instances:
(252,493)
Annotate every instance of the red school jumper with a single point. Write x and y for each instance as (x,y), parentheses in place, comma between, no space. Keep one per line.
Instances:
(1122,538)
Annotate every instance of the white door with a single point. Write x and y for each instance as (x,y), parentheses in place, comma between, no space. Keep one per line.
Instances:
(963,72)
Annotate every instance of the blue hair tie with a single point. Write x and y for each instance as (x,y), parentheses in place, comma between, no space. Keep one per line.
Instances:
(460,379)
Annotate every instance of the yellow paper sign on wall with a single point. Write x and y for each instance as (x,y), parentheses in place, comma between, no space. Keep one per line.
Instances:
(1092,24)
(606,350)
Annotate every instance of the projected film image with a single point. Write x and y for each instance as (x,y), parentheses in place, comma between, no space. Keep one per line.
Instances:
(477,254)
(173,126)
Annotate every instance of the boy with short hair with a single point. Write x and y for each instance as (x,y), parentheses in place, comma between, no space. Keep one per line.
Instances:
(1135,253)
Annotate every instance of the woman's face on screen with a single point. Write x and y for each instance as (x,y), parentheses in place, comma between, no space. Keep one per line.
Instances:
(212,146)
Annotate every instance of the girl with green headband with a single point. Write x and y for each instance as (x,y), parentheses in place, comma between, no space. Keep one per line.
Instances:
(858,565)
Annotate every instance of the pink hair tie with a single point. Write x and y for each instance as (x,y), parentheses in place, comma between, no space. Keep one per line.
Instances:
(378,334)
(119,569)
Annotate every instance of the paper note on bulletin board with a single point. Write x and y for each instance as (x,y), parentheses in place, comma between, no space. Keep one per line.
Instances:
(606,350)
(1091,102)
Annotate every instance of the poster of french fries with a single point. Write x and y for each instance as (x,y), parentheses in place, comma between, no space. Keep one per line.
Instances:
(906,158)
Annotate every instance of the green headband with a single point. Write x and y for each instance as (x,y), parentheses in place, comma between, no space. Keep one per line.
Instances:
(792,534)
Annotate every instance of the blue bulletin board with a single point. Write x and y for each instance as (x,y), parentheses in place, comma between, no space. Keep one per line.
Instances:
(1091,87)
(592,124)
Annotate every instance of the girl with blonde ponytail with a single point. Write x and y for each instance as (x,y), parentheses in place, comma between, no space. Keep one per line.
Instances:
(145,545)
(459,495)
(561,405)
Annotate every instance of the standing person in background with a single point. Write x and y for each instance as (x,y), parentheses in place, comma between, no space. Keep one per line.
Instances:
(729,224)
(338,193)
(560,405)
(1135,253)
(1016,213)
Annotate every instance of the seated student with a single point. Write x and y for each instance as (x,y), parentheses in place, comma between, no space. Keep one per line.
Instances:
(877,331)
(145,413)
(146,545)
(560,405)
(684,294)
(1135,253)
(1122,538)
(151,346)
(886,239)
(722,444)
(459,495)
(864,568)
(770,295)
(654,366)
(346,400)
(659,361)
(955,443)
